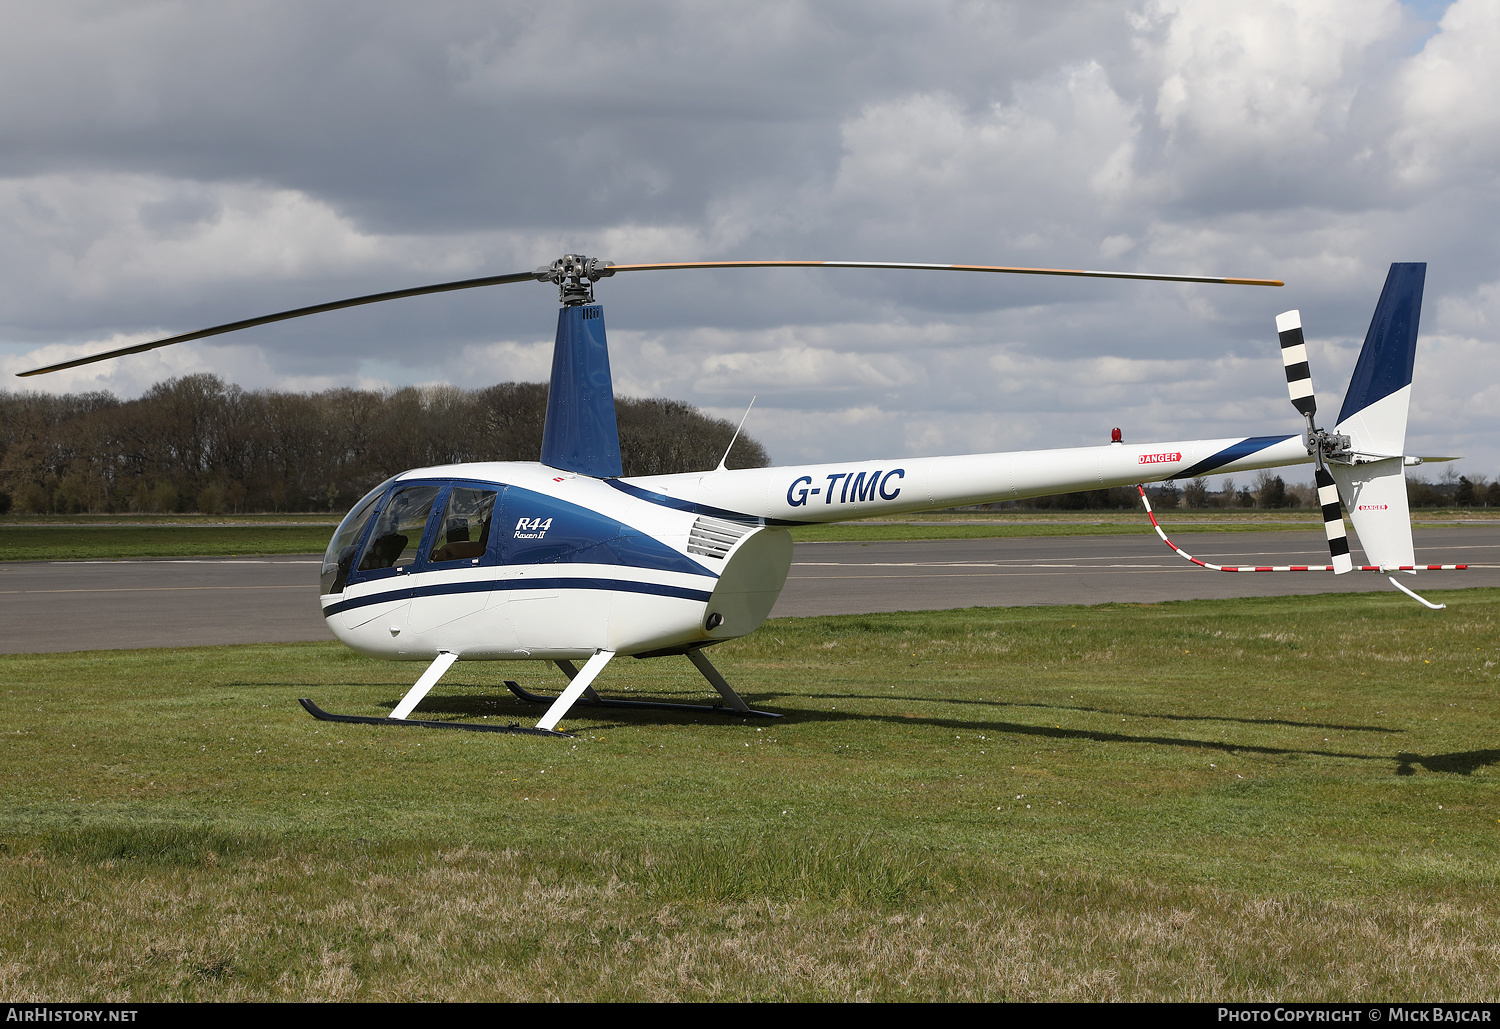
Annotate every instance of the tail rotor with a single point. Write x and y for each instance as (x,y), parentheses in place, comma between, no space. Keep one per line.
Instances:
(1320,444)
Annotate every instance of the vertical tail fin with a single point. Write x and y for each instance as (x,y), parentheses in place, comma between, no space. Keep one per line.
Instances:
(580,434)
(1374,419)
(1374,411)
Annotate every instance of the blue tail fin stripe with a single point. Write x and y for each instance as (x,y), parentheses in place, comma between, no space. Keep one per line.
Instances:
(580,434)
(1385,362)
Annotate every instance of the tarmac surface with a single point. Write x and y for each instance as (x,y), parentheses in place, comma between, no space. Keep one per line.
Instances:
(51,606)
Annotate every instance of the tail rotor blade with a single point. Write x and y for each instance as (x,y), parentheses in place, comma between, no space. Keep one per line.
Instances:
(1333,520)
(1299,386)
(1294,359)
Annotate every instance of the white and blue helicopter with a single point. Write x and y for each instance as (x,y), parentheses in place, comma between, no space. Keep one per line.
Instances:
(567,560)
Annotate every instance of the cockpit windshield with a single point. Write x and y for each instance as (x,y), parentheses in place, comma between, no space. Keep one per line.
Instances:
(337,563)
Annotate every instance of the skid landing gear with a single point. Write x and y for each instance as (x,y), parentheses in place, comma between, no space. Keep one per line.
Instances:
(733,703)
(326,716)
(579,691)
(414,697)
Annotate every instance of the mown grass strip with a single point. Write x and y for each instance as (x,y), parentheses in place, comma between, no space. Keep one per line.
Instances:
(113,542)
(328,518)
(41,541)
(866,532)
(110,542)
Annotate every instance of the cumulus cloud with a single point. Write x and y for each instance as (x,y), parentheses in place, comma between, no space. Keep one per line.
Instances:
(1449,131)
(165,167)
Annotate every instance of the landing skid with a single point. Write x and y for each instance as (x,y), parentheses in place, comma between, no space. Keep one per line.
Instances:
(578,691)
(717,709)
(325,716)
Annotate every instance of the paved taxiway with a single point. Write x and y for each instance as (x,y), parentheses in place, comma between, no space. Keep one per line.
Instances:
(87,605)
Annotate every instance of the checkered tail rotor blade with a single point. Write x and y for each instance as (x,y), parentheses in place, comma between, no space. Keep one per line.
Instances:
(1294,359)
(1300,388)
(1333,519)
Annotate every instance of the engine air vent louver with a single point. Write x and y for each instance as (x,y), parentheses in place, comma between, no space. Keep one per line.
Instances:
(713,537)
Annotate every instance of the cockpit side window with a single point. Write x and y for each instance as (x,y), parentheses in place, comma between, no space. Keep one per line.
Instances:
(339,559)
(464,532)
(398,529)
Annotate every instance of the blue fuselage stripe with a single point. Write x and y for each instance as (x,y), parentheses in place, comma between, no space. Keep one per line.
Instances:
(695,508)
(486,585)
(1243,449)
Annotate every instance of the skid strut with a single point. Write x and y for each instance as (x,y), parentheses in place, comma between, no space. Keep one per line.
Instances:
(733,703)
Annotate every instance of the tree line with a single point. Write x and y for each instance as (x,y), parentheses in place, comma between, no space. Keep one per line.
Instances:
(197,443)
(1267,491)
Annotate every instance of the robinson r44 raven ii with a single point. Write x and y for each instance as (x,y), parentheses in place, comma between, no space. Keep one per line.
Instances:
(567,560)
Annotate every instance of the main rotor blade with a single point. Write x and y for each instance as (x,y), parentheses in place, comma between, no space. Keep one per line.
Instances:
(300,312)
(1078,273)
(498,280)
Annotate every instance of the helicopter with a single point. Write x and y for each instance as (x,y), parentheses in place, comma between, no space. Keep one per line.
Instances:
(566,560)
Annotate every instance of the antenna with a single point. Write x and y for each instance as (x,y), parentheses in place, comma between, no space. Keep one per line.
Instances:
(735,437)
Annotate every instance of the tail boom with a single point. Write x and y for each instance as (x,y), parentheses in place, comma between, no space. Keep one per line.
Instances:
(807,494)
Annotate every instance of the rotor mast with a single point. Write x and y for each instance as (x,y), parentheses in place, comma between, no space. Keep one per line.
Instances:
(581,434)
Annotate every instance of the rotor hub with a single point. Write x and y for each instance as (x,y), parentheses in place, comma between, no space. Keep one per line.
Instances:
(575,276)
(1332,446)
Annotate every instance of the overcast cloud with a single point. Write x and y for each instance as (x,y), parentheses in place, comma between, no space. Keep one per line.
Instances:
(166,166)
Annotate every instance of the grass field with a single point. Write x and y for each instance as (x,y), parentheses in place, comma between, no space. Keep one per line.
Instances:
(111,542)
(72,540)
(1288,798)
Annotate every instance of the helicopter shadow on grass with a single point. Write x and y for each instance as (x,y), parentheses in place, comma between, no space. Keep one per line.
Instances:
(495,703)
(492,705)
(1464,762)
(1124,712)
(1460,763)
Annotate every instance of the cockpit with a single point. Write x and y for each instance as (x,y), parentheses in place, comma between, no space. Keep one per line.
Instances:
(457,516)
(437,525)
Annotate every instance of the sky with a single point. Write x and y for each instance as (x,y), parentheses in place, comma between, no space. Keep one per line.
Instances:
(167,166)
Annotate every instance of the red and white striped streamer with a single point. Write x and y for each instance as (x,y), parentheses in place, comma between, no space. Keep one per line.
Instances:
(1281,568)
